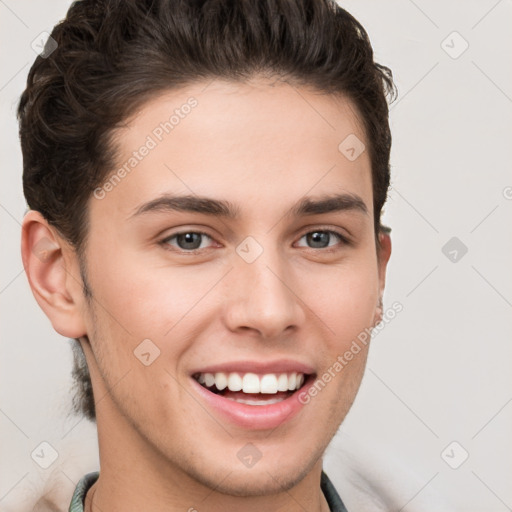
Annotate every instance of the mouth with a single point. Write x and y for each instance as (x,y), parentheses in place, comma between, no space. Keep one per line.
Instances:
(253,400)
(252,388)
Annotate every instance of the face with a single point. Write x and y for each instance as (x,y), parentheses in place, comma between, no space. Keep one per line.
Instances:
(253,279)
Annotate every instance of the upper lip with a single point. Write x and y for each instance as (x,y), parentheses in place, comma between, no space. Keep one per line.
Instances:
(260,367)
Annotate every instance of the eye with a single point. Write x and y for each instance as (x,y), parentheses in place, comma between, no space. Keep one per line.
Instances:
(320,239)
(187,240)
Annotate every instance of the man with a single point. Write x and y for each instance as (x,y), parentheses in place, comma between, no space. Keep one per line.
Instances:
(205,183)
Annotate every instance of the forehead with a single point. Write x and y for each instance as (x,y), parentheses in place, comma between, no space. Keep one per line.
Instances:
(243,142)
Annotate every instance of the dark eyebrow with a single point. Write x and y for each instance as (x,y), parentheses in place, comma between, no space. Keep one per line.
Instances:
(189,203)
(225,209)
(328,204)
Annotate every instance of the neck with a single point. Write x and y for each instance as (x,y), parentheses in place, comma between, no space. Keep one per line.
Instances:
(91,505)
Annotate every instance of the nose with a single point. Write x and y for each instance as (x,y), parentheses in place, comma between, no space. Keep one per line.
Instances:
(262,297)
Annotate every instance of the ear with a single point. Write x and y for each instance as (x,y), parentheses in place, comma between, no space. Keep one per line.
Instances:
(383,255)
(53,273)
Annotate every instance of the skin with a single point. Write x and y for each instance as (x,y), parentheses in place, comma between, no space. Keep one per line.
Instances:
(263,147)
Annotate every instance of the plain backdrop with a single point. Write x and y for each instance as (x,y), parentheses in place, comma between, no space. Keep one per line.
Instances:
(437,389)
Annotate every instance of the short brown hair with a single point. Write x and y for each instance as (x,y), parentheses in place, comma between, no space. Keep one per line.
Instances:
(114,55)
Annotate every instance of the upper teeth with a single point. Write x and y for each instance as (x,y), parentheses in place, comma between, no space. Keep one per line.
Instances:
(270,383)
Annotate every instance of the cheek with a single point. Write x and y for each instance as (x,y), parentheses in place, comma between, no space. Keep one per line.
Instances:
(345,299)
(141,310)
(146,300)
(137,303)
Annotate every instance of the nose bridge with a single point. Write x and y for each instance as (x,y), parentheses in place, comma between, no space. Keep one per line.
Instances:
(262,290)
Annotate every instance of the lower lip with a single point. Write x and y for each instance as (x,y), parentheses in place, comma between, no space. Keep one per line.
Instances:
(256,417)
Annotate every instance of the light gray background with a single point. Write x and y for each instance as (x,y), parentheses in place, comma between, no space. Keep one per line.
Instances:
(440,371)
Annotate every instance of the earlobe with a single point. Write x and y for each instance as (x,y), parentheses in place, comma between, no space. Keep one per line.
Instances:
(50,263)
(379,311)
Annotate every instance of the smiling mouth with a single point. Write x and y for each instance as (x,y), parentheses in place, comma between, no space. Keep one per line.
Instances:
(251,388)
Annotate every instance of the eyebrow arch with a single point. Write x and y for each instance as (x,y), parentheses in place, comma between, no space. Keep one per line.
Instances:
(328,204)
(189,203)
(226,209)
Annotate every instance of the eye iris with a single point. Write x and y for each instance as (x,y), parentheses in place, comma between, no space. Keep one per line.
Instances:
(189,240)
(319,237)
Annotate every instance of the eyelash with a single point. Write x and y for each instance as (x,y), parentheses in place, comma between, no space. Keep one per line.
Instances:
(344,241)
